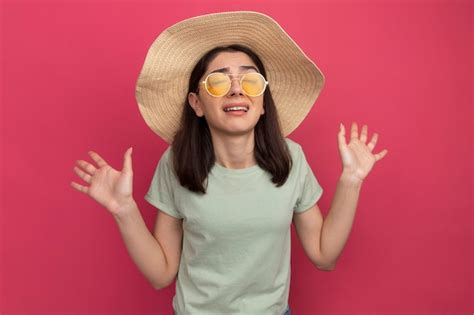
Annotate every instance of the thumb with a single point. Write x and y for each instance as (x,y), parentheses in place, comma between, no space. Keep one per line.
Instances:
(342,135)
(127,163)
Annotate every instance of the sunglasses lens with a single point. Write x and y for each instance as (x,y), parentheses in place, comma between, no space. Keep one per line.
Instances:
(218,84)
(253,84)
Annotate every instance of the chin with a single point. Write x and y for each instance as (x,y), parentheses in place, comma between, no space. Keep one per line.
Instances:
(237,131)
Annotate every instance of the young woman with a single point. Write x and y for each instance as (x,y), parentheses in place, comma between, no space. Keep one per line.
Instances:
(230,184)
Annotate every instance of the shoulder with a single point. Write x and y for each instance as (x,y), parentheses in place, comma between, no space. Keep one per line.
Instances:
(167,153)
(300,164)
(165,162)
(166,156)
(166,167)
(294,148)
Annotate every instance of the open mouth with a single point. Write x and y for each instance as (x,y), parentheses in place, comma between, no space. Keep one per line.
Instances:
(236,109)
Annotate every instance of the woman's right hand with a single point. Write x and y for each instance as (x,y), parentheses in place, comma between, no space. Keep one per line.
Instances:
(109,187)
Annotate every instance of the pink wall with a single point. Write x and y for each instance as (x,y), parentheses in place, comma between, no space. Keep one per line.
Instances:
(404,68)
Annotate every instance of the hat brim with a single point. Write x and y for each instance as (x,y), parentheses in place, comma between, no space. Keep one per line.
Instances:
(162,86)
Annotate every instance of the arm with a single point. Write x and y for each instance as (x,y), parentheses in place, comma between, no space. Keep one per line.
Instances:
(357,161)
(145,250)
(338,223)
(156,256)
(324,240)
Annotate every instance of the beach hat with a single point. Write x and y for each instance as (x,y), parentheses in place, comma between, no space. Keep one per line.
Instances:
(162,85)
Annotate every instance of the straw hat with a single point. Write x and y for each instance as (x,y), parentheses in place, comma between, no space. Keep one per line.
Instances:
(161,89)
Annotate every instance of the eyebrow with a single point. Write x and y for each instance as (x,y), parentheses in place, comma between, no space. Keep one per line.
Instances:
(226,69)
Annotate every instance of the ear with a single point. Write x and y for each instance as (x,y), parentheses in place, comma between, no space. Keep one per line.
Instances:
(263,110)
(193,100)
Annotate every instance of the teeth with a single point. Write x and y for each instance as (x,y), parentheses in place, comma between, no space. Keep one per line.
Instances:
(235,108)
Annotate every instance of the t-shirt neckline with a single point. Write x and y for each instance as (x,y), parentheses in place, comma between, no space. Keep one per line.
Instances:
(235,171)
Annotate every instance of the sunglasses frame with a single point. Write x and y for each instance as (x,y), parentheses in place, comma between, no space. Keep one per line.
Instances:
(230,85)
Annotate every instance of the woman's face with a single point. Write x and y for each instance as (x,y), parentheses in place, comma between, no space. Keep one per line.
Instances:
(212,108)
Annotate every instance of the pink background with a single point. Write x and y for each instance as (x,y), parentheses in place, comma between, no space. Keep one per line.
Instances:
(402,67)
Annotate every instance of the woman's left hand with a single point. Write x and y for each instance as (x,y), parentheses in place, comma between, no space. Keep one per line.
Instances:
(357,158)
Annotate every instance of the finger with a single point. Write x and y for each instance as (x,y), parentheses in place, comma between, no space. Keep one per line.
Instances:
(97,158)
(354,133)
(86,177)
(380,155)
(373,141)
(87,166)
(80,188)
(127,163)
(363,133)
(341,136)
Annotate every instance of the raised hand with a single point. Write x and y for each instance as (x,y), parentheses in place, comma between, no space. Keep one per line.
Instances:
(111,188)
(357,157)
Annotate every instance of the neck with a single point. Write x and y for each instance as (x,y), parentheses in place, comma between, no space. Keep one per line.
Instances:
(234,151)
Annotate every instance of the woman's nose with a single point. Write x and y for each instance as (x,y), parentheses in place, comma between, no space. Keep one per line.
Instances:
(235,87)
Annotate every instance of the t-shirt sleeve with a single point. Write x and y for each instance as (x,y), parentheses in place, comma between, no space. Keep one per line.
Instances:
(162,187)
(310,190)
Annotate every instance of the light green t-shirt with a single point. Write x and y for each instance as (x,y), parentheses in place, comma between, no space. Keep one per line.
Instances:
(236,238)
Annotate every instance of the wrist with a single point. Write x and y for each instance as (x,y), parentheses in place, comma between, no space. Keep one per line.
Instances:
(125,209)
(350,178)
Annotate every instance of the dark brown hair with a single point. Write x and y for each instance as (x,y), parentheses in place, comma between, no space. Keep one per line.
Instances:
(192,149)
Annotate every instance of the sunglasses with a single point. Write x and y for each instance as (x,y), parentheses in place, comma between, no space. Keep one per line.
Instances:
(217,84)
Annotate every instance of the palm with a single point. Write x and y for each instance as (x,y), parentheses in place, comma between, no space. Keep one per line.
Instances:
(357,157)
(109,187)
